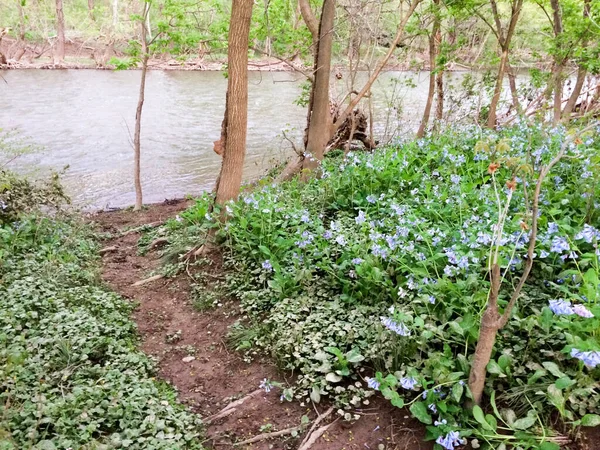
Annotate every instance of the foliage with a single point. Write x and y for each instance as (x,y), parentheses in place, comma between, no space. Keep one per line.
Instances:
(72,377)
(384,259)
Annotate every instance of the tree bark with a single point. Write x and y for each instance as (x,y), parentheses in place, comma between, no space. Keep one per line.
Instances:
(230,178)
(309,19)
(59,54)
(559,61)
(138,115)
(91,8)
(439,80)
(483,353)
(320,123)
(115,13)
(433,52)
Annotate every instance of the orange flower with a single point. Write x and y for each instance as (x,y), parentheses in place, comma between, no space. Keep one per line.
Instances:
(578,141)
(524,226)
(493,167)
(512,184)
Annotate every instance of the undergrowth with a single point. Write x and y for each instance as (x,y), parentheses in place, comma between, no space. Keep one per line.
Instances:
(71,374)
(375,276)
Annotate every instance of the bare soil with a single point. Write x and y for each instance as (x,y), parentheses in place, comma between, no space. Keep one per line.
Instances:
(218,375)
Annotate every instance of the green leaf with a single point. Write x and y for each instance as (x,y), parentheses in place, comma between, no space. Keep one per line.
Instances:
(354,356)
(419,411)
(492,421)
(494,368)
(480,417)
(398,402)
(333,378)
(564,383)
(494,407)
(525,422)
(553,369)
(556,398)
(315,394)
(504,361)
(455,326)
(590,420)
(457,392)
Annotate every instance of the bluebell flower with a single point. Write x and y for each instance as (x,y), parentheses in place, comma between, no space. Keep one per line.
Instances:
(432,408)
(590,359)
(378,250)
(437,423)
(582,311)
(588,234)
(431,299)
(341,240)
(455,178)
(559,245)
(561,307)
(552,228)
(544,254)
(267,265)
(424,394)
(357,261)
(361,218)
(408,383)
(266,385)
(397,327)
(372,199)
(328,234)
(450,441)
(373,383)
(305,217)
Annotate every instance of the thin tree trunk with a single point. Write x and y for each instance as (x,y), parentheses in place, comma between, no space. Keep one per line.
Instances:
(91,8)
(559,61)
(431,92)
(483,352)
(59,54)
(236,122)
(138,115)
(512,81)
(310,20)
(433,52)
(491,123)
(320,124)
(115,13)
(22,44)
(439,82)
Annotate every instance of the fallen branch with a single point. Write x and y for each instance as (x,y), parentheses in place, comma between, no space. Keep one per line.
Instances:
(318,420)
(106,250)
(231,407)
(148,280)
(141,227)
(157,242)
(262,437)
(314,436)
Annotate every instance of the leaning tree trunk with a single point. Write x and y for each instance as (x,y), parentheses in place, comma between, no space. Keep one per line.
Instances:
(559,62)
(59,54)
(491,123)
(138,116)
(433,52)
(115,13)
(320,123)
(236,111)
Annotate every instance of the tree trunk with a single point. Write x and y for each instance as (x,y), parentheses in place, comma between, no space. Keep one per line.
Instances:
(320,124)
(431,91)
(91,8)
(138,115)
(512,81)
(230,178)
(439,81)
(434,41)
(22,44)
(115,13)
(59,54)
(310,20)
(491,123)
(483,352)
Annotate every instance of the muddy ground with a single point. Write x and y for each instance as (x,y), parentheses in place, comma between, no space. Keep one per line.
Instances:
(193,355)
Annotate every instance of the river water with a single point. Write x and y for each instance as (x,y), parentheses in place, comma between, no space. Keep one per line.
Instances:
(85,119)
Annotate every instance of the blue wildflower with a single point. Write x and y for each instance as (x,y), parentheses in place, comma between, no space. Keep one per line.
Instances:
(361,218)
(341,240)
(372,199)
(266,385)
(451,440)
(582,311)
(357,261)
(397,327)
(373,383)
(267,265)
(588,234)
(437,423)
(432,408)
(328,234)
(408,383)
(560,245)
(590,359)
(561,307)
(455,178)
(552,228)
(431,299)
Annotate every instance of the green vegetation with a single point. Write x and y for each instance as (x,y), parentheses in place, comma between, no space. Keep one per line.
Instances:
(375,277)
(71,374)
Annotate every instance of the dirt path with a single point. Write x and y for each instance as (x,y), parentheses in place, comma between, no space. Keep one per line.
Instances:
(192,355)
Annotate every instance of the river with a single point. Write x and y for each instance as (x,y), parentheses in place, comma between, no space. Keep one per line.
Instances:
(84,119)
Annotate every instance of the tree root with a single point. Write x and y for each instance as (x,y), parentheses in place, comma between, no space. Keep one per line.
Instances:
(106,250)
(230,408)
(308,439)
(140,228)
(262,437)
(157,242)
(312,438)
(148,280)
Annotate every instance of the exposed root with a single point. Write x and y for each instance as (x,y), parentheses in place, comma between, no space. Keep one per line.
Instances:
(106,250)
(262,437)
(148,280)
(313,437)
(315,424)
(231,407)
(140,228)
(158,242)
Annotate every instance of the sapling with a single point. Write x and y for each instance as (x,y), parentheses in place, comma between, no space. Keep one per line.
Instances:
(493,319)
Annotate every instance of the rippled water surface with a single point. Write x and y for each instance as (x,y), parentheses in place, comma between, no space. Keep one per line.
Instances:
(85,119)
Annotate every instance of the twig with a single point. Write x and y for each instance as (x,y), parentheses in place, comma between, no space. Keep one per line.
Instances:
(106,250)
(262,437)
(316,435)
(231,407)
(148,280)
(317,421)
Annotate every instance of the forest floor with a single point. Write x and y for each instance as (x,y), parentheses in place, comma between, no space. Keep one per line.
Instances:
(192,353)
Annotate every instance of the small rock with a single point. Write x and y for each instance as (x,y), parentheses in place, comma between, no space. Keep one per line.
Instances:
(188,359)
